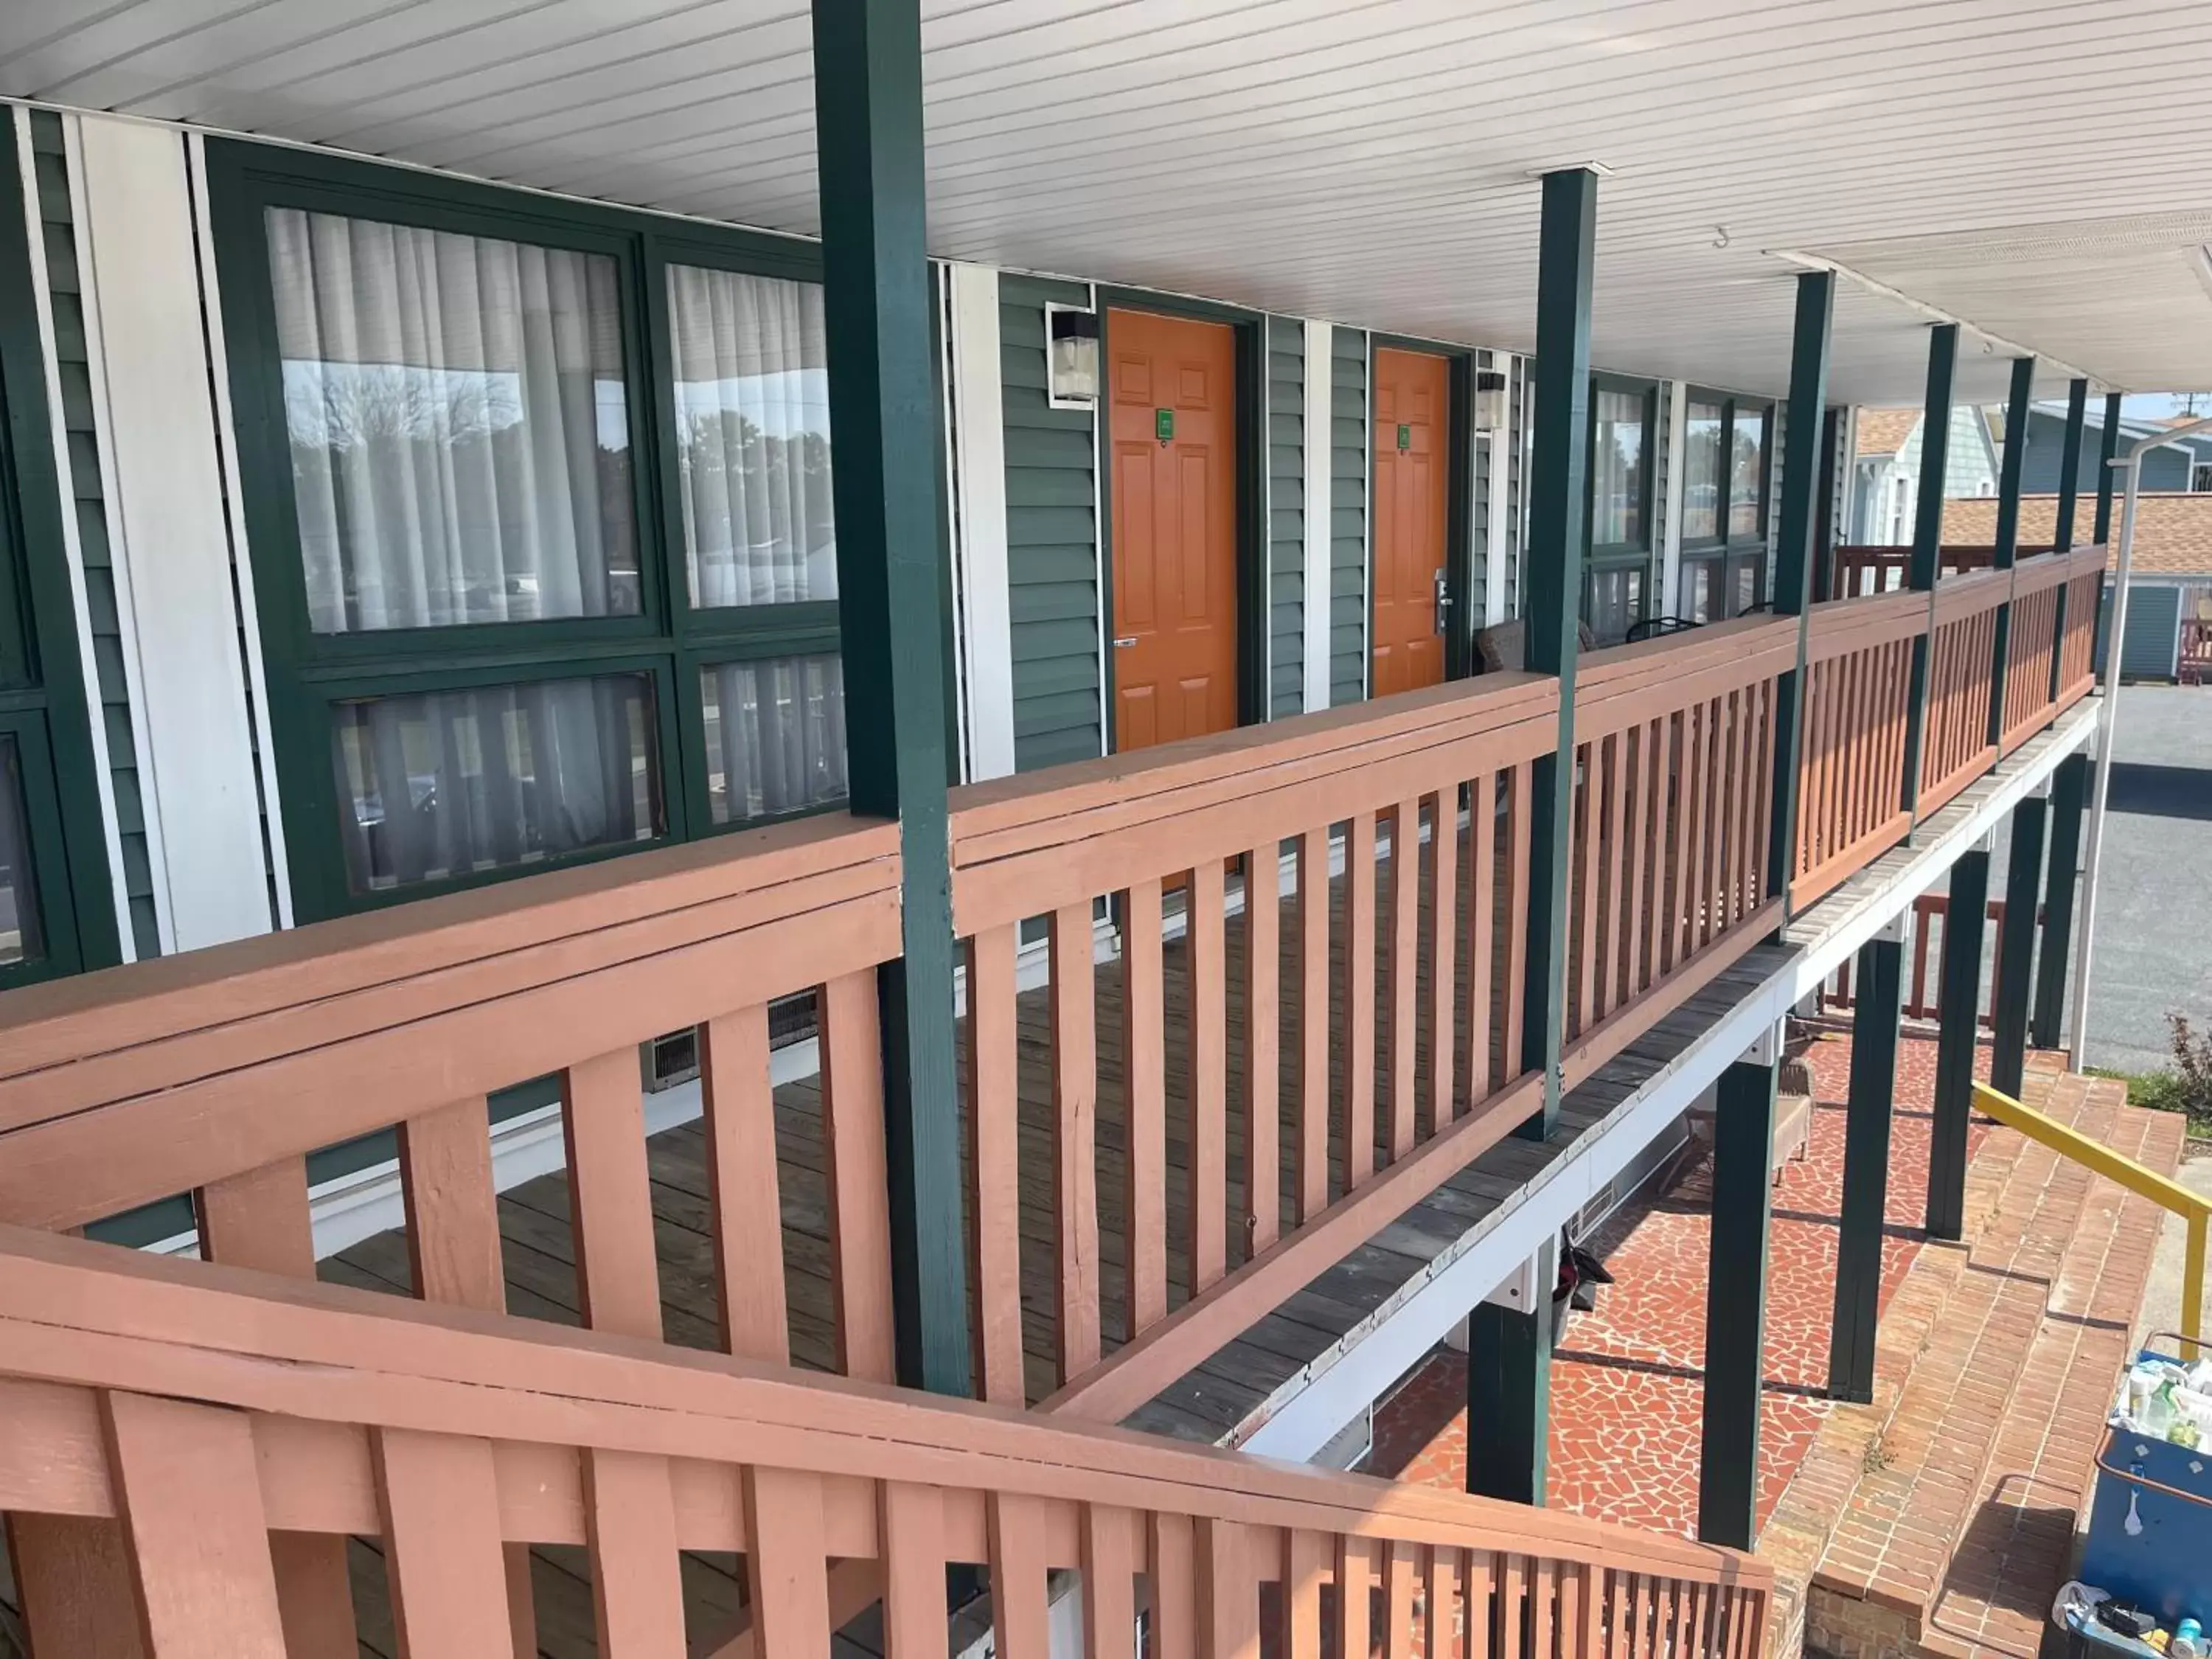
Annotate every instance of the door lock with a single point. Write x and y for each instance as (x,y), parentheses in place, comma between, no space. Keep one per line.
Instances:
(1443,604)
(1125,642)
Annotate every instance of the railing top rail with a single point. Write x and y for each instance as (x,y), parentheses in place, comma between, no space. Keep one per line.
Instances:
(1073,832)
(91,1316)
(2033,575)
(273,1047)
(1969,594)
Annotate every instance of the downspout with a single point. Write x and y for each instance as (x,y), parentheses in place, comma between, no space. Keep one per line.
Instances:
(2077,1041)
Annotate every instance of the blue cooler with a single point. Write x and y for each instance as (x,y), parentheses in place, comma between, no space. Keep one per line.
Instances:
(2165,1566)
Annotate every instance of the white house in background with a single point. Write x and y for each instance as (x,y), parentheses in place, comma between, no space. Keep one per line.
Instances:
(1885,473)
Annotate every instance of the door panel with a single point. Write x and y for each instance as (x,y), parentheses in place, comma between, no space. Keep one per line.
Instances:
(1174,527)
(1412,471)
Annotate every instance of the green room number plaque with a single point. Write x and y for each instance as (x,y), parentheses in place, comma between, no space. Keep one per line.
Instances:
(1164,423)
(1405,438)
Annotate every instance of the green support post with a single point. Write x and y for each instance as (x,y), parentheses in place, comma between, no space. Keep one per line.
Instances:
(2016,946)
(1959,1029)
(1735,1300)
(1876,983)
(1802,470)
(868,127)
(1824,511)
(1508,1392)
(1926,566)
(2018,407)
(2108,449)
(1551,588)
(2062,536)
(2069,793)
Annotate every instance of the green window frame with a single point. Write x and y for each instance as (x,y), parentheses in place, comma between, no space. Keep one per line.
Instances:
(669,642)
(1724,567)
(1617,576)
(64,914)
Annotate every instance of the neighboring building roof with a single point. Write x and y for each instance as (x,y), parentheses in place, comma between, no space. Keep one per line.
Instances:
(2132,426)
(2173,530)
(1883,431)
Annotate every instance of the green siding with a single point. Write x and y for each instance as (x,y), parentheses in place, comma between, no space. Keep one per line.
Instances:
(73,368)
(1286,517)
(1052,540)
(1347,616)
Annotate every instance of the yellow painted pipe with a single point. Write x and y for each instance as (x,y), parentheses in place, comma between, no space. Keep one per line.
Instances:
(2193,1207)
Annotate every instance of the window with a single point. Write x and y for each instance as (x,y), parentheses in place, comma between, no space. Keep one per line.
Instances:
(1619,507)
(1900,514)
(541,508)
(2200,478)
(1724,505)
(57,912)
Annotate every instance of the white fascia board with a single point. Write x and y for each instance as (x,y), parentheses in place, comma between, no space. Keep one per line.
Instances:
(1514,1232)
(979,480)
(1320,350)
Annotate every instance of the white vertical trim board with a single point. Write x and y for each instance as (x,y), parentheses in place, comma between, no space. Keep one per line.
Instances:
(1320,415)
(978,453)
(1678,449)
(170,532)
(1500,441)
(72,542)
(1101,459)
(1367,527)
(242,564)
(95,351)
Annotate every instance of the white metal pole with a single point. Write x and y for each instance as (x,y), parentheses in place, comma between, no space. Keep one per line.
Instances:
(2077,1033)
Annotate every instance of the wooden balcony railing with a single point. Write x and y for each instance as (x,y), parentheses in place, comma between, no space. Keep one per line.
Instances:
(171,1435)
(1850,802)
(1862,571)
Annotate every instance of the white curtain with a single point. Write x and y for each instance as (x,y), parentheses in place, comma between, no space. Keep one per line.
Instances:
(459,437)
(448,783)
(753,427)
(775,735)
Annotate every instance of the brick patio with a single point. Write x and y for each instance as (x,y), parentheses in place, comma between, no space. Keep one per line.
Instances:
(1934,1520)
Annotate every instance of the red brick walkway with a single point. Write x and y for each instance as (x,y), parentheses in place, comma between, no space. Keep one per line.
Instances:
(1627,1389)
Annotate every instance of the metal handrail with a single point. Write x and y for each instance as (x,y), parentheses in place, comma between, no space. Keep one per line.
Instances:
(2168,1195)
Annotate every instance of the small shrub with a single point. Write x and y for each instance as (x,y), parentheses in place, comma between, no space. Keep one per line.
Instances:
(2192,1067)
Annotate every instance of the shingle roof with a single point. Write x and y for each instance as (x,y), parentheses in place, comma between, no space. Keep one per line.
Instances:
(2174,530)
(1883,431)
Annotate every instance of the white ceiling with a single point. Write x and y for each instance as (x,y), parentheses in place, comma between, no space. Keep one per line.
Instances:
(1364,161)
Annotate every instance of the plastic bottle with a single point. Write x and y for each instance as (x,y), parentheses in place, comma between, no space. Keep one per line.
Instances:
(2188,1641)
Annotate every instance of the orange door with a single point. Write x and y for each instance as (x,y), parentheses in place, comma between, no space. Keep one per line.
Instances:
(1412,417)
(1173,405)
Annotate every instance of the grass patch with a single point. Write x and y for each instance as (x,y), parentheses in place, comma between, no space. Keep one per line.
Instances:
(2162,1092)
(2184,1086)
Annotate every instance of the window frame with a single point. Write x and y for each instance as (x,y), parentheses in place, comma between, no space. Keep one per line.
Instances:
(1726,553)
(670,639)
(1607,557)
(48,692)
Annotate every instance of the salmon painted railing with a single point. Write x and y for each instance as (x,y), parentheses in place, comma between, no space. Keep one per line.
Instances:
(1673,763)
(1861,571)
(1852,801)
(173,1436)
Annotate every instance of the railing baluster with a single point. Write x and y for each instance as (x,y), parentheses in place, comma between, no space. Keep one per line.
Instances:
(1315,1023)
(610,1196)
(1519,807)
(1542,1606)
(1143,1072)
(1263,1066)
(1209,1082)
(1589,827)
(1693,826)
(994,1230)
(1611,992)
(189,1499)
(1513,1580)
(1359,1000)
(1355,1573)
(1109,1598)
(1400,1574)
(1440,1604)
(911,1526)
(1228,1592)
(1019,1620)
(1175,1588)
(859,1218)
(1481,941)
(438,1497)
(744,1184)
(1305,1564)
(1480,1566)
(1075,1137)
(629,1527)
(785,1568)
(1405,974)
(1443,966)
(1710,844)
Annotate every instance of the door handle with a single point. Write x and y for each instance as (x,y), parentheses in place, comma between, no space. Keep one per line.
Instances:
(1443,604)
(1125,642)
